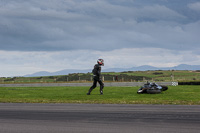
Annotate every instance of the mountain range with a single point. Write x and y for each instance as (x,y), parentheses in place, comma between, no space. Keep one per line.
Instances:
(139,68)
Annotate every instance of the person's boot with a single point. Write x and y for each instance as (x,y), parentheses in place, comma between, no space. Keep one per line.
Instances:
(101,92)
(90,90)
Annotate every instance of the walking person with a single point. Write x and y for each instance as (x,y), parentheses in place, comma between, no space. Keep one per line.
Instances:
(97,76)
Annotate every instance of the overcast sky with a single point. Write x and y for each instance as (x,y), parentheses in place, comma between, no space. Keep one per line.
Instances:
(51,35)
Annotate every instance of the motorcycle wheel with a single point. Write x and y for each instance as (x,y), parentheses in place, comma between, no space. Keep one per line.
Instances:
(164,88)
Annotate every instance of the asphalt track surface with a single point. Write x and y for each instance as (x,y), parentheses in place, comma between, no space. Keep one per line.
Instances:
(98,118)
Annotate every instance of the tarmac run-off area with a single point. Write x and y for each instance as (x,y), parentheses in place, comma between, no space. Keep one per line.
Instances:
(98,118)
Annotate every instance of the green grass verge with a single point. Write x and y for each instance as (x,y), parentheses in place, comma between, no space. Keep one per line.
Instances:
(188,95)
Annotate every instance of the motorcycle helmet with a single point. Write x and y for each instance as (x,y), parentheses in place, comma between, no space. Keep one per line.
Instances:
(100,62)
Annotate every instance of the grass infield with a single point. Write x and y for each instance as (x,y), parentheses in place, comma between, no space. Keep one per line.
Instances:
(183,95)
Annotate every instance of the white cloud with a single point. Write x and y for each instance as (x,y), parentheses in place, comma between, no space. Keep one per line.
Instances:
(194,6)
(149,56)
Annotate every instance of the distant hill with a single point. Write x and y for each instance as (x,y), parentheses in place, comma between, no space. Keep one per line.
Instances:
(62,72)
(147,67)
(140,68)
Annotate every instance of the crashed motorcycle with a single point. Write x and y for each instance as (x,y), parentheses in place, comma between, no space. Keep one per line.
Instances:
(152,88)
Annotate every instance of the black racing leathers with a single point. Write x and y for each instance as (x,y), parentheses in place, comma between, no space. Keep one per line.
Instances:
(96,78)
